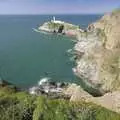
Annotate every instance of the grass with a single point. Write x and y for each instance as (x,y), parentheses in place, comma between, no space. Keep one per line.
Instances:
(117,10)
(53,25)
(67,26)
(22,106)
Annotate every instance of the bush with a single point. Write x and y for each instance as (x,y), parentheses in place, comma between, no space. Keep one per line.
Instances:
(12,108)
(22,106)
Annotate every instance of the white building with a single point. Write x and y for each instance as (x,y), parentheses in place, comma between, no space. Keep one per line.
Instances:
(57,21)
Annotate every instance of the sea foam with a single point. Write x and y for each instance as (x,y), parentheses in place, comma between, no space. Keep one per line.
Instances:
(43,80)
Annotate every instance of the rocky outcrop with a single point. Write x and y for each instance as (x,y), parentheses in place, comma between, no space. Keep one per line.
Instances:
(110,25)
(86,68)
(76,93)
(98,49)
(62,27)
(110,100)
(51,89)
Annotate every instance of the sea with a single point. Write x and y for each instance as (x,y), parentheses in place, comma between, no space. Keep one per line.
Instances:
(27,56)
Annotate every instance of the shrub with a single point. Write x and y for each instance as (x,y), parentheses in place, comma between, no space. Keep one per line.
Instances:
(22,106)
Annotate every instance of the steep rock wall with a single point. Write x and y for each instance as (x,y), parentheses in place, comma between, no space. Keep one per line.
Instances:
(98,63)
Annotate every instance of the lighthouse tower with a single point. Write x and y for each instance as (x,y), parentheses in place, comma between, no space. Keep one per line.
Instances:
(54,18)
(56,21)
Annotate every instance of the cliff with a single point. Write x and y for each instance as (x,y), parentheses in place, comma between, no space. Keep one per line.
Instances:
(98,54)
(97,57)
(110,25)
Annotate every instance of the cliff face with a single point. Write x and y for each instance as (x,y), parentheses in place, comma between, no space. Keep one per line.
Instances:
(110,24)
(98,51)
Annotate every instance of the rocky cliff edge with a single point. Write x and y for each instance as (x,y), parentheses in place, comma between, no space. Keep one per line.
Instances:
(98,54)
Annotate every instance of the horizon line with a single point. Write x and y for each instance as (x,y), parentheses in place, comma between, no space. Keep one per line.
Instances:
(55,14)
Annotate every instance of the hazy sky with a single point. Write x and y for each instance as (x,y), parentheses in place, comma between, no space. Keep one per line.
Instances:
(57,6)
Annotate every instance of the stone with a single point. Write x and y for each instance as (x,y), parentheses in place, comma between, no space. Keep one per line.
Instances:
(76,93)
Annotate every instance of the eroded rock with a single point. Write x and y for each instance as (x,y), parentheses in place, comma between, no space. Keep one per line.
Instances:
(99,51)
(49,88)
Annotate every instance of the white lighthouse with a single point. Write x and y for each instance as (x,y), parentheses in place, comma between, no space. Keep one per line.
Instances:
(56,21)
(54,18)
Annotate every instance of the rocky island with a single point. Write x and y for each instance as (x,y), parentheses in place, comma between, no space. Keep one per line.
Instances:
(56,26)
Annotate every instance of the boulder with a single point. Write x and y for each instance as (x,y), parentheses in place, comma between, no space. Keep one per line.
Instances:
(76,93)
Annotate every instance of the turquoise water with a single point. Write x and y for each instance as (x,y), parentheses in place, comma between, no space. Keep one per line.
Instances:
(27,56)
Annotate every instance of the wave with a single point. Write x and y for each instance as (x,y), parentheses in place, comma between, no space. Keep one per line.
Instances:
(43,80)
(35,89)
(40,31)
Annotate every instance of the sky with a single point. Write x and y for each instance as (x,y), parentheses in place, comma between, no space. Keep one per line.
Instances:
(57,6)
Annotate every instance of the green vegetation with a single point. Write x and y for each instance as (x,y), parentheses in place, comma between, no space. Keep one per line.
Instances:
(52,25)
(116,11)
(22,106)
(67,26)
(71,27)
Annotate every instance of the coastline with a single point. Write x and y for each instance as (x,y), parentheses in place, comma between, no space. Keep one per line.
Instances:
(89,51)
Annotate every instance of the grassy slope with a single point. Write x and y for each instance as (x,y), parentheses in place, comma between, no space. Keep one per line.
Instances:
(22,106)
(66,25)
